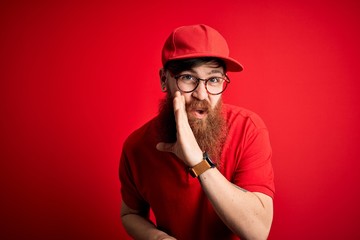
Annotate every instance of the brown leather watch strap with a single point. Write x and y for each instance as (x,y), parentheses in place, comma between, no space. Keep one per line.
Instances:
(199,168)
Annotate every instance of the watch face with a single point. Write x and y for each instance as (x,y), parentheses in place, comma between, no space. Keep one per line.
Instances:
(207,158)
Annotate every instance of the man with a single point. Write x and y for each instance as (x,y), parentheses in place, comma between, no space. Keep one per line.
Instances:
(202,166)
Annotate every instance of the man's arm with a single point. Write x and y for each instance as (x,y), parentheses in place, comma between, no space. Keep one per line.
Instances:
(247,214)
(139,226)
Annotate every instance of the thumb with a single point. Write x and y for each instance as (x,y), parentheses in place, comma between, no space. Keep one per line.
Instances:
(165,147)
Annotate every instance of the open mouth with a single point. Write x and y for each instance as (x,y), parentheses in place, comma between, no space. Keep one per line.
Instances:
(199,113)
(198,109)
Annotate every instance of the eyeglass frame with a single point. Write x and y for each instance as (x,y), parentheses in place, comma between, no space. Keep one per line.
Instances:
(224,76)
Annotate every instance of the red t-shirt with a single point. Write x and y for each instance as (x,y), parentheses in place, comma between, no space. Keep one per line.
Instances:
(150,178)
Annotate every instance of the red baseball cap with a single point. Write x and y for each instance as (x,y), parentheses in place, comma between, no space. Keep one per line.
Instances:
(198,41)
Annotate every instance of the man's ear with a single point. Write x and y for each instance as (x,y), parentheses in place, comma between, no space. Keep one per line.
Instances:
(163,80)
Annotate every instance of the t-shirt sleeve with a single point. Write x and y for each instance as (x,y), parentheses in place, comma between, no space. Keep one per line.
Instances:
(254,171)
(129,192)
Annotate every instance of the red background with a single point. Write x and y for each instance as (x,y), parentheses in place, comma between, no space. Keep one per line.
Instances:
(77,78)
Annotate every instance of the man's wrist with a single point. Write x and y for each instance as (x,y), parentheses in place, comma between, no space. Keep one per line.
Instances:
(197,159)
(162,236)
(204,165)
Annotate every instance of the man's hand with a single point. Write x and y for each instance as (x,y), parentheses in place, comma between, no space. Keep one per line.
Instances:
(167,238)
(186,148)
(140,227)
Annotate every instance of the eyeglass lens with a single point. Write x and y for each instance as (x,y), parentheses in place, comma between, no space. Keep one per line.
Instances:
(214,85)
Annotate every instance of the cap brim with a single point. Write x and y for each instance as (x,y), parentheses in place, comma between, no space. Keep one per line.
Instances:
(231,64)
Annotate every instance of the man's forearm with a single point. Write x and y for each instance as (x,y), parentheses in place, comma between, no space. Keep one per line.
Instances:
(243,212)
(141,229)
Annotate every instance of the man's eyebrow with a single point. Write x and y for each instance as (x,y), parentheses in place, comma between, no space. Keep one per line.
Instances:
(209,73)
(190,70)
(215,71)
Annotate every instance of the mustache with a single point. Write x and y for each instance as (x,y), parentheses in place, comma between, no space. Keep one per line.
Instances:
(198,104)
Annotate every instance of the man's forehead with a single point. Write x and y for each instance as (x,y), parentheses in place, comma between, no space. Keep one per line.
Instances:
(208,70)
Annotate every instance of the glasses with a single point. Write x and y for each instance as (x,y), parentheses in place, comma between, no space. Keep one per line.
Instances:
(214,85)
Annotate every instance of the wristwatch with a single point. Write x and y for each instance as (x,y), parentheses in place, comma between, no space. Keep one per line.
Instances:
(201,167)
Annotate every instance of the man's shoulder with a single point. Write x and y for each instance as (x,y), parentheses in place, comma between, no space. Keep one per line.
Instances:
(141,134)
(240,115)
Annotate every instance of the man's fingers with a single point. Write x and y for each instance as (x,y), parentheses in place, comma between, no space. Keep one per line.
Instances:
(179,101)
(179,108)
(165,147)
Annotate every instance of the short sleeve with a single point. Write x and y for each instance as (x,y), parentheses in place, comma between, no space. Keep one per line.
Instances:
(254,171)
(129,192)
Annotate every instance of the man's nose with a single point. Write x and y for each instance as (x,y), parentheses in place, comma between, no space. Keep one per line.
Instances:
(200,92)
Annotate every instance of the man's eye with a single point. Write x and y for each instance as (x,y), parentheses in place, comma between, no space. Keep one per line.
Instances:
(187,77)
(215,80)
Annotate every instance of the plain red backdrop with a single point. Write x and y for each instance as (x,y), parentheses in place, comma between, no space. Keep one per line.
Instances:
(77,78)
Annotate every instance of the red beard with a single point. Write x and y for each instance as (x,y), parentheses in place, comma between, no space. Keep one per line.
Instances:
(210,132)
